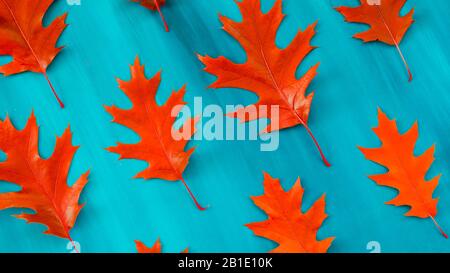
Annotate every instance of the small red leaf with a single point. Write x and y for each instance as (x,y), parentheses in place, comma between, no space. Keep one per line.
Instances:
(406,172)
(166,156)
(155,249)
(22,36)
(269,71)
(293,230)
(386,24)
(43,181)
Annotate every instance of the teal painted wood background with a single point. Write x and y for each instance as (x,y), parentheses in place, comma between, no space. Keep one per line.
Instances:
(105,36)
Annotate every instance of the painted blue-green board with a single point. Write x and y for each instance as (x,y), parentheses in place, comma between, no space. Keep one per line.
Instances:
(105,36)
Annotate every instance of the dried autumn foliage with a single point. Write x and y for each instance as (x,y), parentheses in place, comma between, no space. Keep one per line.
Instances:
(154,124)
(406,172)
(22,36)
(386,24)
(293,230)
(155,5)
(155,249)
(269,72)
(43,181)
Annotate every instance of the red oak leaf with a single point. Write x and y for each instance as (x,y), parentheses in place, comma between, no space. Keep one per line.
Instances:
(386,24)
(294,231)
(406,172)
(43,181)
(22,36)
(165,155)
(270,72)
(142,248)
(155,249)
(155,5)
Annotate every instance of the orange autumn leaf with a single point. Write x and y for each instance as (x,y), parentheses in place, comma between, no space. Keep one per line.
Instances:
(155,249)
(386,23)
(154,124)
(293,230)
(43,181)
(23,37)
(269,71)
(406,172)
(142,248)
(155,5)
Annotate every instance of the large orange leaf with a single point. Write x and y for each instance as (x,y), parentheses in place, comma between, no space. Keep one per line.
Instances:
(293,230)
(155,5)
(406,172)
(43,181)
(22,36)
(270,72)
(386,24)
(155,249)
(165,155)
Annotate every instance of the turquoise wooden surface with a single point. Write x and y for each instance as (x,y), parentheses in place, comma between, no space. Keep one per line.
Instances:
(105,36)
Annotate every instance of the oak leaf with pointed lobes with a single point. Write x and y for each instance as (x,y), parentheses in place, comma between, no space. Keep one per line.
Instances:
(270,72)
(23,37)
(154,124)
(386,23)
(293,230)
(154,5)
(43,181)
(155,249)
(406,172)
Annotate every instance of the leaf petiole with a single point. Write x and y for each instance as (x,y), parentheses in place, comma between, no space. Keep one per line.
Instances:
(166,26)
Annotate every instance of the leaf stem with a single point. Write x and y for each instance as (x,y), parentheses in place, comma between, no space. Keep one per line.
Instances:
(166,26)
(324,159)
(439,227)
(277,87)
(61,104)
(192,195)
(396,44)
(73,243)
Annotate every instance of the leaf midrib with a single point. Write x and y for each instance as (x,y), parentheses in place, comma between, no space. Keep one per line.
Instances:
(25,38)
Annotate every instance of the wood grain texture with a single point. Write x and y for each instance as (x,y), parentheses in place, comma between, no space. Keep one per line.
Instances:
(105,36)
